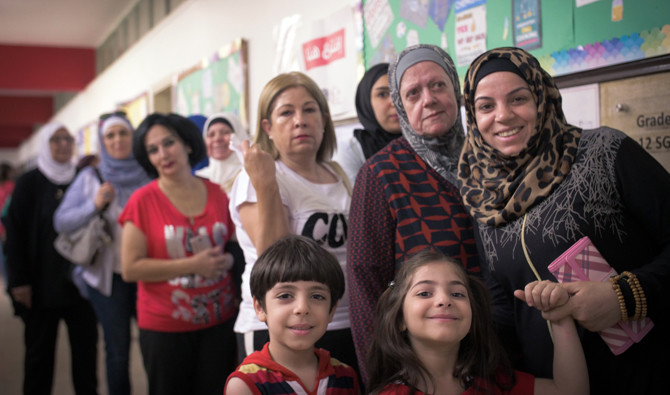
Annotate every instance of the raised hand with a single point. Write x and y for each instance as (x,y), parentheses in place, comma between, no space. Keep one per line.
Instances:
(543,295)
(259,165)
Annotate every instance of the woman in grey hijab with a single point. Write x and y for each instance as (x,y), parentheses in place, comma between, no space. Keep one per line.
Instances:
(405,199)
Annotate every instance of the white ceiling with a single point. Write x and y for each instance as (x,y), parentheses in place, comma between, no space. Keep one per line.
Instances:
(65,23)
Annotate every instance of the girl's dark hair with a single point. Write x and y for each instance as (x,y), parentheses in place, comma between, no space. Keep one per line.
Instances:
(182,127)
(296,258)
(392,359)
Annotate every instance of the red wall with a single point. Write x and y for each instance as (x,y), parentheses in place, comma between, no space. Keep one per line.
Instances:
(46,68)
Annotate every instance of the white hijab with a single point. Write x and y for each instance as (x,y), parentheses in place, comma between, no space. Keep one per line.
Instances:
(56,172)
(223,172)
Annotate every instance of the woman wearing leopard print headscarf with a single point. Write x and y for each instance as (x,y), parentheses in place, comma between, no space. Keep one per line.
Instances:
(536,185)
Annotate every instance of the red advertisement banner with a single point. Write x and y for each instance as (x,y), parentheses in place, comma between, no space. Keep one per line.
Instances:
(323,50)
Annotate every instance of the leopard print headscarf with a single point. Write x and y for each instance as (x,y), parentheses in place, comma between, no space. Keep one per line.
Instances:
(498,189)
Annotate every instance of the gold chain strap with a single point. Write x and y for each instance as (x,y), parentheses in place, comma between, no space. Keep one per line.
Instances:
(530,263)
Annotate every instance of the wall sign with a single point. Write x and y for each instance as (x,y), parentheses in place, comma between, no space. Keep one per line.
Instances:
(640,107)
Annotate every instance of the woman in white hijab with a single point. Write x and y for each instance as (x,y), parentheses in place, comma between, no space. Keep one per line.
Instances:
(112,299)
(220,131)
(39,278)
(224,165)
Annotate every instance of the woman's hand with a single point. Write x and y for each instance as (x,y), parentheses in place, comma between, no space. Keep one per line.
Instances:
(212,263)
(104,196)
(594,305)
(23,294)
(259,165)
(543,295)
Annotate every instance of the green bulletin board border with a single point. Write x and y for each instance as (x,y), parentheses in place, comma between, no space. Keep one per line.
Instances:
(573,38)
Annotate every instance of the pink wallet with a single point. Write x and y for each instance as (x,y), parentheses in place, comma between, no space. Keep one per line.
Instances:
(583,262)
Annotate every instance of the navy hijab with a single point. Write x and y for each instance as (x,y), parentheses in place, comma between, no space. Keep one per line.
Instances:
(373,138)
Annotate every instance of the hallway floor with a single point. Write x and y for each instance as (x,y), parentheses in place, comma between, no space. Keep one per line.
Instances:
(11,357)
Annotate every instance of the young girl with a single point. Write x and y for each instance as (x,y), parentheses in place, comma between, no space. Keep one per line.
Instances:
(434,335)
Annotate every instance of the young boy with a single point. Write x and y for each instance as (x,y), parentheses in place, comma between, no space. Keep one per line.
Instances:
(295,285)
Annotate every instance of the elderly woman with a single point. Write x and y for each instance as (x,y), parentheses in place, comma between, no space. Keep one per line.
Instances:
(290,186)
(224,165)
(39,279)
(112,298)
(378,116)
(536,185)
(404,199)
(174,232)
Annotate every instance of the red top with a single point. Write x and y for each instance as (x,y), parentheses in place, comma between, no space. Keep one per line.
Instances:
(6,190)
(265,376)
(189,302)
(525,385)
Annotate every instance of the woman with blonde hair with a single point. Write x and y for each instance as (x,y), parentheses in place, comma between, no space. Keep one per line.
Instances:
(290,186)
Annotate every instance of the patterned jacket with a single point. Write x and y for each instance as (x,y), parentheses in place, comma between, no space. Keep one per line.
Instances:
(400,206)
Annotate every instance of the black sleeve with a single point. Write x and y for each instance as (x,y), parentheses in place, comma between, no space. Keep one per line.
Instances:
(502,307)
(238,265)
(17,224)
(644,186)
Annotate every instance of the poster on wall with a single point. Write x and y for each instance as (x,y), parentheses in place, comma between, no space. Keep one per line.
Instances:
(217,84)
(390,26)
(378,18)
(470,30)
(136,109)
(581,105)
(330,51)
(87,140)
(527,24)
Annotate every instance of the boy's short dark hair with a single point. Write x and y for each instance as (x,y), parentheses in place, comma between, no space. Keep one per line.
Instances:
(181,126)
(296,258)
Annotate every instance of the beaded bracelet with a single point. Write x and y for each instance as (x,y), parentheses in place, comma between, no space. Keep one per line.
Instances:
(628,295)
(619,295)
(638,293)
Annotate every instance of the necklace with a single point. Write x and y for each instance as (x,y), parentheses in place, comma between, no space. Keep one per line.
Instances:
(182,203)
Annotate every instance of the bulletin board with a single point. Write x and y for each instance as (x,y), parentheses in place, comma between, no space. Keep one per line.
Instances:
(581,37)
(136,109)
(87,139)
(329,50)
(217,84)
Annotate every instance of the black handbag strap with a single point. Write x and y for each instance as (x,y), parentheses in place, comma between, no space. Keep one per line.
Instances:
(97,173)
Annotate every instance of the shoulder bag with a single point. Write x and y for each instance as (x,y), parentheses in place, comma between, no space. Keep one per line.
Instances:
(84,244)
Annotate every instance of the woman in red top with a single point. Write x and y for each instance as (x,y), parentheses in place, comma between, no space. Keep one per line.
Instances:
(174,234)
